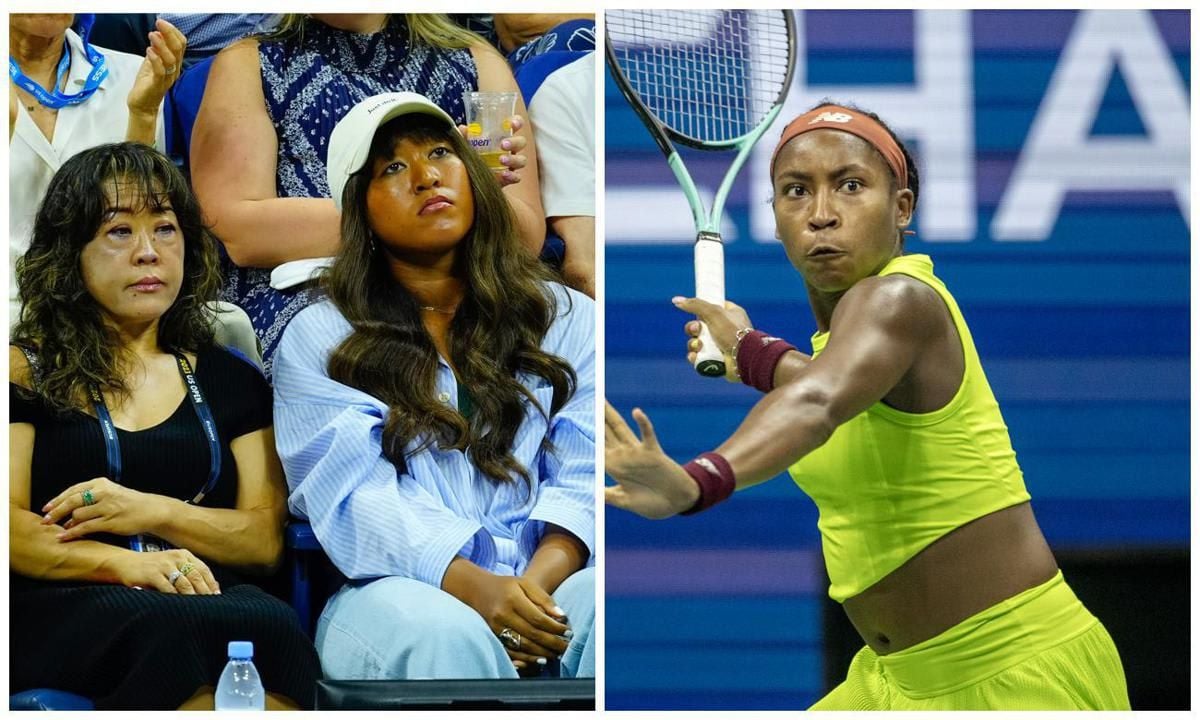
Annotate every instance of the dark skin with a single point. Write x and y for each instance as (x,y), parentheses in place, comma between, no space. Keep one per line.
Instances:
(421,205)
(840,215)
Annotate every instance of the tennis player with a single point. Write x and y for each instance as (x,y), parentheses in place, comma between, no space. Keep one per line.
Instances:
(890,426)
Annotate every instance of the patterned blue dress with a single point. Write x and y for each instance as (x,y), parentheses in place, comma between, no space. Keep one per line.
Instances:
(310,83)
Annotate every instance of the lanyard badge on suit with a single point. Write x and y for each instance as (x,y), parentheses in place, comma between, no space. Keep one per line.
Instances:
(145,542)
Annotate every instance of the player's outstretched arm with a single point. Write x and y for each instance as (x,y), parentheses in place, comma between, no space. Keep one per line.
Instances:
(877,332)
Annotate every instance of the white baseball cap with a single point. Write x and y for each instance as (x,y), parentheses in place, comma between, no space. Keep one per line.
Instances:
(350,142)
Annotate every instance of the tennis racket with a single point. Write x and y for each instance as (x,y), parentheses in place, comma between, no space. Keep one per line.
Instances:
(711,80)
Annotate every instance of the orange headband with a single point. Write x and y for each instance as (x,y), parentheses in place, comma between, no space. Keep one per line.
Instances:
(836,117)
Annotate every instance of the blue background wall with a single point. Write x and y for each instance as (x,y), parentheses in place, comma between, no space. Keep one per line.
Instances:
(1084,333)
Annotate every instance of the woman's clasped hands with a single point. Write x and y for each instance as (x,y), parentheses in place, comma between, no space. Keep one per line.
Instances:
(524,617)
(101,505)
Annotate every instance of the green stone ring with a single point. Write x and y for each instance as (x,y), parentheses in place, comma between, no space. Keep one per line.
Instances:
(88,498)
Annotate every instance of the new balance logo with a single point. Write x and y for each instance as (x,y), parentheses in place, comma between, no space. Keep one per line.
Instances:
(836,117)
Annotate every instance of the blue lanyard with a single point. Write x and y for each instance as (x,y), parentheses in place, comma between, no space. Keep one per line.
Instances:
(56,98)
(112,445)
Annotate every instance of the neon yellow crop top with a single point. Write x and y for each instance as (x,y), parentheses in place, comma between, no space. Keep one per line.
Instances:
(888,483)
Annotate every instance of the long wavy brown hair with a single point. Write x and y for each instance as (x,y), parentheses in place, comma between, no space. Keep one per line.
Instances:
(496,332)
(60,320)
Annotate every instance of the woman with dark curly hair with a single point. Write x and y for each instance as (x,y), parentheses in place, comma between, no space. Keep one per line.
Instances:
(435,418)
(143,481)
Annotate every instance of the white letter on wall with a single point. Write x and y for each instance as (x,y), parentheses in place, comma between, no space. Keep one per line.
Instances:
(1059,156)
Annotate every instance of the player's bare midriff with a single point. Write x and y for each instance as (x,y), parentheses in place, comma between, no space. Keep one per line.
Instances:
(962,573)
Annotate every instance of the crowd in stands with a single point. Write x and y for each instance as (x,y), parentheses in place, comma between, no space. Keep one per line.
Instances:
(315,304)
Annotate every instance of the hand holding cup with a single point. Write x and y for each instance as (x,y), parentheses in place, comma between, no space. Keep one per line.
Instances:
(491,130)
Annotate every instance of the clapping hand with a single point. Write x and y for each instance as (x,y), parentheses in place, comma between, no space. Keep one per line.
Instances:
(159,71)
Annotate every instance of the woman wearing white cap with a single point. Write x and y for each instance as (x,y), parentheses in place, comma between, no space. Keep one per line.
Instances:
(260,145)
(435,418)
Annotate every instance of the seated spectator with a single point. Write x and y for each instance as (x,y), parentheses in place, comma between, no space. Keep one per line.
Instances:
(435,418)
(67,95)
(556,72)
(261,139)
(116,342)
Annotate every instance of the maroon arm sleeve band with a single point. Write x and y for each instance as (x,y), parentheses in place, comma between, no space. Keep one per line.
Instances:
(757,356)
(715,478)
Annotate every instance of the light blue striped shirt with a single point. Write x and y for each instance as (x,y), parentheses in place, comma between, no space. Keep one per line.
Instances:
(374,521)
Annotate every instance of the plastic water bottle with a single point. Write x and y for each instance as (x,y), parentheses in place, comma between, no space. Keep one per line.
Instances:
(240,687)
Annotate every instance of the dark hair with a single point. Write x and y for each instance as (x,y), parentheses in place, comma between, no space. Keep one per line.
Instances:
(59,317)
(496,332)
(914,175)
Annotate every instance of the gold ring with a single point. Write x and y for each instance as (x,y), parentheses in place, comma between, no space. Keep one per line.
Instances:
(186,568)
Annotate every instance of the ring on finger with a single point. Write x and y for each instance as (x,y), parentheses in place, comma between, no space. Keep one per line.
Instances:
(174,577)
(511,638)
(88,497)
(186,568)
(169,70)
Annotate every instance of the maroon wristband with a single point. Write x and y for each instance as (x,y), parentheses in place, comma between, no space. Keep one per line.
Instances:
(715,478)
(757,356)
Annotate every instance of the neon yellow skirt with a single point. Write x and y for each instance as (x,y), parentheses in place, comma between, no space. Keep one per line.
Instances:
(1039,650)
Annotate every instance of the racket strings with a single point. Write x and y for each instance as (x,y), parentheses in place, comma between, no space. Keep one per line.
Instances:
(709,75)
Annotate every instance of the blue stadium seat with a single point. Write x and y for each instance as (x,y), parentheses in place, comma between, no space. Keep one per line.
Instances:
(314,578)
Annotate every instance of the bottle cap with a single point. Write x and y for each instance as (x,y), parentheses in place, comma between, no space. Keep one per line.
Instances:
(241,649)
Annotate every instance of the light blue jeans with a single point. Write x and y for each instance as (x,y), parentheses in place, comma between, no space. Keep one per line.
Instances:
(399,629)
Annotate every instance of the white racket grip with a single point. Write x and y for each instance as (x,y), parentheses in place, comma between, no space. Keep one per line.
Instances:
(710,287)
